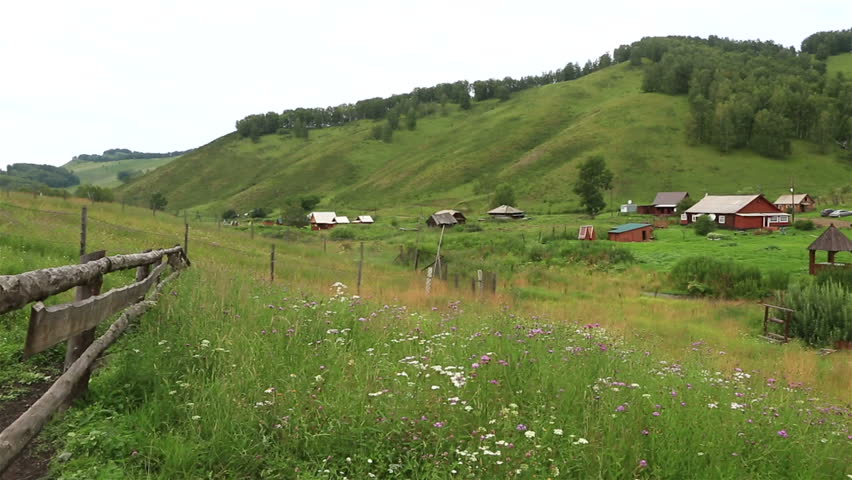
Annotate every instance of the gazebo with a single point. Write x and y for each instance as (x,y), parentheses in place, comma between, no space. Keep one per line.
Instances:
(832,240)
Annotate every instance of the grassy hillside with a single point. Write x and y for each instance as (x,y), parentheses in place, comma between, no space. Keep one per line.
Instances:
(840,63)
(533,141)
(103,174)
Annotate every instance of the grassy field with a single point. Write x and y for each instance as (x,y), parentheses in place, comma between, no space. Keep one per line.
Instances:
(840,64)
(103,174)
(233,376)
(532,141)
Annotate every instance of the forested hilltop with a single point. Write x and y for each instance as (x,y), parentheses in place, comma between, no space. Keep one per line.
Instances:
(666,113)
(26,176)
(116,154)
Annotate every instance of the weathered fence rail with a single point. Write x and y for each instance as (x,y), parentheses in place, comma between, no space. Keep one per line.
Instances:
(51,325)
(19,290)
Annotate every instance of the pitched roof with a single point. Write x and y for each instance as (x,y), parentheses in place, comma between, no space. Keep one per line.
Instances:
(364,219)
(669,198)
(323,217)
(504,210)
(721,203)
(451,212)
(443,219)
(786,200)
(628,227)
(341,219)
(832,240)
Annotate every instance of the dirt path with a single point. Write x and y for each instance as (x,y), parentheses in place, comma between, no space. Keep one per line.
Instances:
(33,462)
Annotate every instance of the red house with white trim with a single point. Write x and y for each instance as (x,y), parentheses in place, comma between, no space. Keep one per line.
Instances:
(739,212)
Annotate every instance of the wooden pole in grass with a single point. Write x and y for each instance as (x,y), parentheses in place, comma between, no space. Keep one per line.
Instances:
(272,264)
(438,254)
(186,239)
(84,225)
(479,282)
(428,280)
(252,229)
(360,267)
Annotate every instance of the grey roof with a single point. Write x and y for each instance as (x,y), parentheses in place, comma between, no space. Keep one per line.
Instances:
(443,219)
(451,212)
(795,200)
(669,198)
(341,219)
(721,203)
(504,210)
(832,240)
(323,217)
(364,219)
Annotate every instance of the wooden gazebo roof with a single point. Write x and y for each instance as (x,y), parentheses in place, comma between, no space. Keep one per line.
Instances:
(832,240)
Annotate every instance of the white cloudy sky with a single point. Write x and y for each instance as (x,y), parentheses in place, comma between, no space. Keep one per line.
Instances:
(84,76)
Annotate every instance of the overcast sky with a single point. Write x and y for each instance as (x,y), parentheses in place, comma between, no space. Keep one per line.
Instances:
(85,76)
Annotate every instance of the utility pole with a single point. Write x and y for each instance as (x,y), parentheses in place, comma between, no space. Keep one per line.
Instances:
(792,201)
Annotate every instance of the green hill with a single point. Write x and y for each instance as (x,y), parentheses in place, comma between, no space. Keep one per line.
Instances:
(103,174)
(533,141)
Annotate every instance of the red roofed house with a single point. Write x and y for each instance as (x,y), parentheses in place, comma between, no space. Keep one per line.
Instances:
(737,212)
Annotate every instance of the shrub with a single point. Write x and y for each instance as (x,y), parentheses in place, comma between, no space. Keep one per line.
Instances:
(595,253)
(777,279)
(804,225)
(229,214)
(703,225)
(471,227)
(840,276)
(823,312)
(719,278)
(342,233)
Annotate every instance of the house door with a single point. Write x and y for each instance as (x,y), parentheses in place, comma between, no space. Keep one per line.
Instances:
(644,235)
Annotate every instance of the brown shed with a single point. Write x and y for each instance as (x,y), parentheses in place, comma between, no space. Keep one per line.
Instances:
(832,241)
(632,232)
(459,216)
(441,220)
(801,202)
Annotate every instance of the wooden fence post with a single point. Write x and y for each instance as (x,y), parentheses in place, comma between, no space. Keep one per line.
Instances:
(272,264)
(416,258)
(84,225)
(323,244)
(428,280)
(360,267)
(456,280)
(494,285)
(479,282)
(76,345)
(186,239)
(252,229)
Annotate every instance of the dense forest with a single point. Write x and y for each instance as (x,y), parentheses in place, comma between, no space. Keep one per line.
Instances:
(752,94)
(742,94)
(54,177)
(115,154)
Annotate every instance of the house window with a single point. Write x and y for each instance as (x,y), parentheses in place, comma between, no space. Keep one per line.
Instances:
(721,219)
(683,216)
(695,217)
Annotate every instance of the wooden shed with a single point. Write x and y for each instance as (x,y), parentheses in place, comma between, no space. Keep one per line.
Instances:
(632,232)
(832,241)
(506,211)
(665,203)
(322,220)
(459,216)
(801,202)
(441,220)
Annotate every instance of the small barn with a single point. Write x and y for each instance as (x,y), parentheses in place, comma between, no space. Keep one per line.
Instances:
(506,211)
(441,220)
(665,203)
(832,241)
(459,216)
(366,219)
(739,212)
(322,220)
(587,232)
(632,232)
(801,202)
(341,220)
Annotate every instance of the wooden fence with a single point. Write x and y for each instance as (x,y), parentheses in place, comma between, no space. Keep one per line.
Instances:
(75,322)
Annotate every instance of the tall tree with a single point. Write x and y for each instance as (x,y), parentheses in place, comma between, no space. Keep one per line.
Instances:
(503,195)
(592,180)
(157,201)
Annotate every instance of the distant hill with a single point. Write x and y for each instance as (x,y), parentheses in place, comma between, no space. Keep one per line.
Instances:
(533,140)
(116,154)
(105,173)
(28,176)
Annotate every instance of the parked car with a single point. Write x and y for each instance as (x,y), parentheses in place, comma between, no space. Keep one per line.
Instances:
(826,212)
(840,213)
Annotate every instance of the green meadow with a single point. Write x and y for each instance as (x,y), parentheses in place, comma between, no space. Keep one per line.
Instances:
(566,371)
(104,174)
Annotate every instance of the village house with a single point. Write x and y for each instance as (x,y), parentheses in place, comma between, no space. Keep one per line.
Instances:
(441,220)
(801,202)
(322,220)
(506,211)
(363,219)
(665,203)
(341,220)
(737,212)
(459,216)
(632,232)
